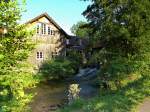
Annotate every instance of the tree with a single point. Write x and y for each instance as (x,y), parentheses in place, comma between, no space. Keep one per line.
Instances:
(15,46)
(122,29)
(79,30)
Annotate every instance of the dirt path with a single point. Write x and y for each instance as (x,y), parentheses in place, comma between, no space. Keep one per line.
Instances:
(145,106)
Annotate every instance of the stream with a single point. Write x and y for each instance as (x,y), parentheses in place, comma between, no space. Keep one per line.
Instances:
(53,95)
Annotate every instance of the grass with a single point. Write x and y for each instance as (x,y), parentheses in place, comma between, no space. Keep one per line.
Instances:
(126,99)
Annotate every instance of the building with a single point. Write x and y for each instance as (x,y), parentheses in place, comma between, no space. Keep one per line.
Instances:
(50,39)
(76,43)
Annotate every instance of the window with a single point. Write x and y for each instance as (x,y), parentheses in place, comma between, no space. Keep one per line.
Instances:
(67,41)
(38,29)
(39,55)
(49,31)
(55,54)
(52,32)
(80,42)
(43,27)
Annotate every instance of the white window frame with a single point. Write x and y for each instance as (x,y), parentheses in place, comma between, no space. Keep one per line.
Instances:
(49,30)
(38,29)
(39,55)
(43,29)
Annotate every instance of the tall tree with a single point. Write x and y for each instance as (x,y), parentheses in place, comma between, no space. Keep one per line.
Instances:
(15,46)
(122,29)
(79,29)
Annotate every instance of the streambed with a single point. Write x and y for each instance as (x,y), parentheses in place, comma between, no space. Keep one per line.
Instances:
(54,94)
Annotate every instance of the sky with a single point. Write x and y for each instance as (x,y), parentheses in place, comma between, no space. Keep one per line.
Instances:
(64,12)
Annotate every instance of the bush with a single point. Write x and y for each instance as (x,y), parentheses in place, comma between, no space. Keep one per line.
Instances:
(57,69)
(76,57)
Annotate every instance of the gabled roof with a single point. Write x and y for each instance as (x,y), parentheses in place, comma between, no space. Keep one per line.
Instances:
(50,19)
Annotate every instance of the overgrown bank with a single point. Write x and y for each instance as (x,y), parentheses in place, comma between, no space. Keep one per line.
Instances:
(120,41)
(123,100)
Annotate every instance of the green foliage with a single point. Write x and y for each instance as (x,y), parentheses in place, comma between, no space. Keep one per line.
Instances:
(79,30)
(74,107)
(57,69)
(15,45)
(10,12)
(122,32)
(123,100)
(75,57)
(122,29)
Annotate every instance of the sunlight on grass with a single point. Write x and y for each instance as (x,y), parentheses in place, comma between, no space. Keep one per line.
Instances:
(125,100)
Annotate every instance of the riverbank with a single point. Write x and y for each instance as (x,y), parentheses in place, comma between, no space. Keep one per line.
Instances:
(53,94)
(48,96)
(126,99)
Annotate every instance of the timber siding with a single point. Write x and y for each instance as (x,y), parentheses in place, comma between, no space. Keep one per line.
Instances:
(49,45)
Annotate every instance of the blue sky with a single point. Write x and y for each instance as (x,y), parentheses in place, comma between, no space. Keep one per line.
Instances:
(64,12)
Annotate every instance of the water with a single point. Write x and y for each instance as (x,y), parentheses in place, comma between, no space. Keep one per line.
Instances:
(49,96)
(54,94)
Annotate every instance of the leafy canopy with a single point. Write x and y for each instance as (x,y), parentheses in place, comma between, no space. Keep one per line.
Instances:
(121,29)
(15,45)
(79,29)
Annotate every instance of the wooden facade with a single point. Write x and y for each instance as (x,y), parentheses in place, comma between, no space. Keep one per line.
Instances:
(50,39)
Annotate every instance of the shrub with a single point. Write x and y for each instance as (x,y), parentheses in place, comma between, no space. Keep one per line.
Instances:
(76,57)
(57,69)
